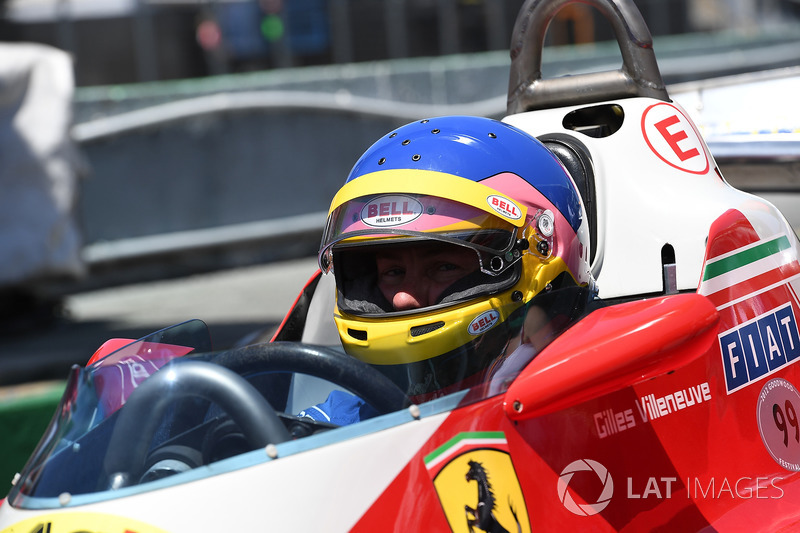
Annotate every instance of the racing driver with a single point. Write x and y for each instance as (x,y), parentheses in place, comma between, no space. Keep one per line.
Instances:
(460,247)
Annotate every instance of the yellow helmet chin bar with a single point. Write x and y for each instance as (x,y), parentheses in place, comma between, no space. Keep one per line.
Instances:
(416,337)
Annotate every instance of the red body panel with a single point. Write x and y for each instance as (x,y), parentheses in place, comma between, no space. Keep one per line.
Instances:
(633,396)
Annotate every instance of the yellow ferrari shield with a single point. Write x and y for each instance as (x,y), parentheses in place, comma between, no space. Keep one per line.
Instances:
(477,485)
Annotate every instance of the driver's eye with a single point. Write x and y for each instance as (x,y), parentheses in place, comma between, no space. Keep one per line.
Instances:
(446,272)
(395,272)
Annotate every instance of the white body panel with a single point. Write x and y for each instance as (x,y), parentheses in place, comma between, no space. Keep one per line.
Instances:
(323,489)
(640,211)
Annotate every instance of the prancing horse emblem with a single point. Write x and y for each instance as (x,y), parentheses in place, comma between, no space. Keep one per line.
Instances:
(483,516)
(480,455)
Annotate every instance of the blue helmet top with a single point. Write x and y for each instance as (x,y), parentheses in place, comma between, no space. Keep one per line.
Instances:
(474,148)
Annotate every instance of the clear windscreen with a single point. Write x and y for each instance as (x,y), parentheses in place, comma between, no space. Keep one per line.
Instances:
(68,459)
(167,404)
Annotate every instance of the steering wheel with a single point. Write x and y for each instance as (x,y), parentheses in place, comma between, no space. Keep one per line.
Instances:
(319,361)
(221,382)
(139,418)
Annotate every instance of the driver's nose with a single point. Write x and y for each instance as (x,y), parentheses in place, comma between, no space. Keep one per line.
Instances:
(403,300)
(413,293)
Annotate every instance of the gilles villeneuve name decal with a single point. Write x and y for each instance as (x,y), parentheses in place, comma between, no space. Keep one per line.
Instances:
(648,408)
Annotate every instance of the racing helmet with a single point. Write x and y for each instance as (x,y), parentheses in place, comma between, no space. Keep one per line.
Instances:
(486,214)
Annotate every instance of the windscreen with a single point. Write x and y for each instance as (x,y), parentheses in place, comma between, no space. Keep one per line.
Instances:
(68,459)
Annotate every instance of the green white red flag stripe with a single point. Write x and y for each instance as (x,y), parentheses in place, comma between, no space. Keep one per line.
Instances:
(748,271)
(463,442)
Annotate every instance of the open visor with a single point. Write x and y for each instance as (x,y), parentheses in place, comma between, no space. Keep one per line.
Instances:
(390,217)
(366,274)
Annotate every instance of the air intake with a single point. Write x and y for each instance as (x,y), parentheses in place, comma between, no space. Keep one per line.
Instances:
(358,334)
(416,331)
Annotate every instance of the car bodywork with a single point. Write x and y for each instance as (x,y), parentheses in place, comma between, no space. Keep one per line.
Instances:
(672,405)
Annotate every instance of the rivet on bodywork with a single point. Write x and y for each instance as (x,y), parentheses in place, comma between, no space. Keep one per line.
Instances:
(517,406)
(413,410)
(272,451)
(415,157)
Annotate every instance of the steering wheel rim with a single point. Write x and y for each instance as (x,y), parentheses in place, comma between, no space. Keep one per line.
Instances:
(139,418)
(319,361)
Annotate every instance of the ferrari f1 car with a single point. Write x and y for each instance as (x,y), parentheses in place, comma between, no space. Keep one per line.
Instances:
(671,404)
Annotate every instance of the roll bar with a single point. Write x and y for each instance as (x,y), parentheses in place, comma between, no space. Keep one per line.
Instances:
(638,76)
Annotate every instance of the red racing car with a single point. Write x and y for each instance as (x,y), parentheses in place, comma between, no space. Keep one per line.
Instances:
(670,404)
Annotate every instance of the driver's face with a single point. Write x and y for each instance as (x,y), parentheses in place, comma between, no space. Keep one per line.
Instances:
(412,277)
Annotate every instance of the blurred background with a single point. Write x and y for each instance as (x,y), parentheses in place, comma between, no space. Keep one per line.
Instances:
(130,41)
(162,160)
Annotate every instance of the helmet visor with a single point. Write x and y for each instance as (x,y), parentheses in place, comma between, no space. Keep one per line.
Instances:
(402,216)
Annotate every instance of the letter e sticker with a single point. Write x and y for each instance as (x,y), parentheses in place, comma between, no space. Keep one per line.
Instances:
(674,139)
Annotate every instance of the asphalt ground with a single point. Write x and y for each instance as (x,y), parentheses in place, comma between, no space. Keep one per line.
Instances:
(233,303)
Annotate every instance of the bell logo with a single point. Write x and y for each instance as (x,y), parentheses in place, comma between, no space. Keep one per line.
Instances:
(504,207)
(391,210)
(484,322)
(565,495)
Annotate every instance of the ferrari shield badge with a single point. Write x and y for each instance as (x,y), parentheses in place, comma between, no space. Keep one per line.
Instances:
(477,484)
